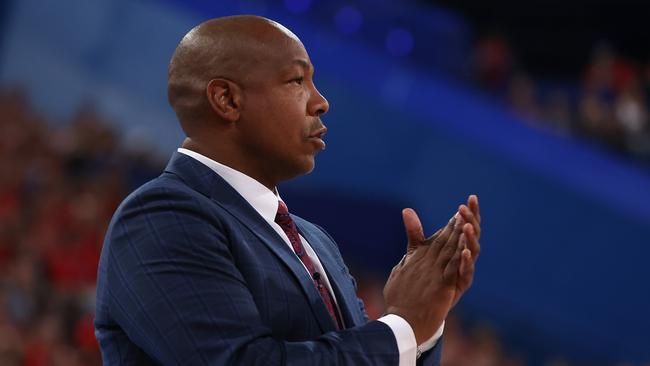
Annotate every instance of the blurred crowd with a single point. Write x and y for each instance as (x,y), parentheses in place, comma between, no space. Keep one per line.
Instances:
(59,187)
(608,103)
(58,190)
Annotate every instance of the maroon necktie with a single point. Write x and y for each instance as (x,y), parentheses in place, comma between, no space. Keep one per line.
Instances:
(283,219)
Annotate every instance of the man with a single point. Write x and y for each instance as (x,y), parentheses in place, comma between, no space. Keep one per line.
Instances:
(205,266)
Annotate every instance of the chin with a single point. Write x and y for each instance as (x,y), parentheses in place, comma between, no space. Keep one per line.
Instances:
(305,166)
(297,169)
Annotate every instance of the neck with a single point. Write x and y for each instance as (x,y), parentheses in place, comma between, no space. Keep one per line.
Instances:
(231,160)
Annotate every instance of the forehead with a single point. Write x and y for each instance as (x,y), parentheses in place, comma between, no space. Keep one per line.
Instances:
(275,50)
(287,53)
(281,47)
(285,31)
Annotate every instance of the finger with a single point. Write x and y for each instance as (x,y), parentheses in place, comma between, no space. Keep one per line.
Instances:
(437,234)
(441,239)
(466,271)
(401,262)
(432,238)
(413,226)
(472,202)
(472,242)
(450,247)
(468,216)
(452,268)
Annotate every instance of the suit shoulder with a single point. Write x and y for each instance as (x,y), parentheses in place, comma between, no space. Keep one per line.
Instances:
(162,188)
(165,195)
(166,182)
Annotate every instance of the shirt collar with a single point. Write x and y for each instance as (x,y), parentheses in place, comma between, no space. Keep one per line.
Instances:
(263,200)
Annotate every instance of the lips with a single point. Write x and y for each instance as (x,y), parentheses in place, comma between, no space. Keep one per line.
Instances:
(318,133)
(317,137)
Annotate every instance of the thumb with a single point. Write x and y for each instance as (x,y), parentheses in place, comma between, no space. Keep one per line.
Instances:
(413,226)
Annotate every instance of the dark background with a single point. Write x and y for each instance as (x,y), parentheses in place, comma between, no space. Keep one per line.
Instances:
(555,38)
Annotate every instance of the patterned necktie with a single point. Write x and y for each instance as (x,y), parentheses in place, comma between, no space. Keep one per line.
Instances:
(283,219)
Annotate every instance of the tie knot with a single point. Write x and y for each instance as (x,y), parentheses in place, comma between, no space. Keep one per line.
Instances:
(282,216)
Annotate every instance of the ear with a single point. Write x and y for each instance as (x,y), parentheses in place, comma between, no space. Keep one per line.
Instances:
(224,97)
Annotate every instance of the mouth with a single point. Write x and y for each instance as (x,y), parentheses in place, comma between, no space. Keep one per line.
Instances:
(317,137)
(318,133)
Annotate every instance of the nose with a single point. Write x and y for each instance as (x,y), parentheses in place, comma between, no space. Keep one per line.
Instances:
(318,104)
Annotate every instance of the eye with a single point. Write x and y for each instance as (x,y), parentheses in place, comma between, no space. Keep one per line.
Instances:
(299,80)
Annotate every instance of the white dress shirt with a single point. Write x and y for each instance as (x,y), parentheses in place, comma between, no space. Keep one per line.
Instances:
(265,202)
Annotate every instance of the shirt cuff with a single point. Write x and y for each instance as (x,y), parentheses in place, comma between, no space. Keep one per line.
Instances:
(404,336)
(406,343)
(431,342)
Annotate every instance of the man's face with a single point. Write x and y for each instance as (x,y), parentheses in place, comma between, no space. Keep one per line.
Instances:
(280,124)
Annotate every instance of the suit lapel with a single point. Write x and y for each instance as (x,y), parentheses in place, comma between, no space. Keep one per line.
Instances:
(337,276)
(206,181)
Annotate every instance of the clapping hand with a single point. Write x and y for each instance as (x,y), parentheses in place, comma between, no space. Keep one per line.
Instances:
(435,271)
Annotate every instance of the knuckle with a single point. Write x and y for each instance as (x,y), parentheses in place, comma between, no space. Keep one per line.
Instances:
(452,221)
(447,251)
(440,241)
(450,278)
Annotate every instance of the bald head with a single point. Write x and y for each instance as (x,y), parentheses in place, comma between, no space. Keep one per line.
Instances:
(226,48)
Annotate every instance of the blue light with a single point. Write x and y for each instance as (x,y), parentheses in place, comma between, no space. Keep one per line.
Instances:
(297,6)
(399,42)
(348,19)
(257,7)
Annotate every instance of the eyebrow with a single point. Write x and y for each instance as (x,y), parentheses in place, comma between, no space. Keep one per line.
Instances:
(304,64)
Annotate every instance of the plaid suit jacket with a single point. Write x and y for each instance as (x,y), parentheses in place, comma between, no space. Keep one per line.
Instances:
(190,274)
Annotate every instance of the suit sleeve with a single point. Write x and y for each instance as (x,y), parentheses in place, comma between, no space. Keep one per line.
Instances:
(174,289)
(433,356)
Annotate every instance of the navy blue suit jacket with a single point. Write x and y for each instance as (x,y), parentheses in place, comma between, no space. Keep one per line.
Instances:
(191,274)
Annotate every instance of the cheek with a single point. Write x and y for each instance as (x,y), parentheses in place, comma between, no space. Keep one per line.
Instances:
(293,101)
(271,108)
(290,118)
(280,117)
